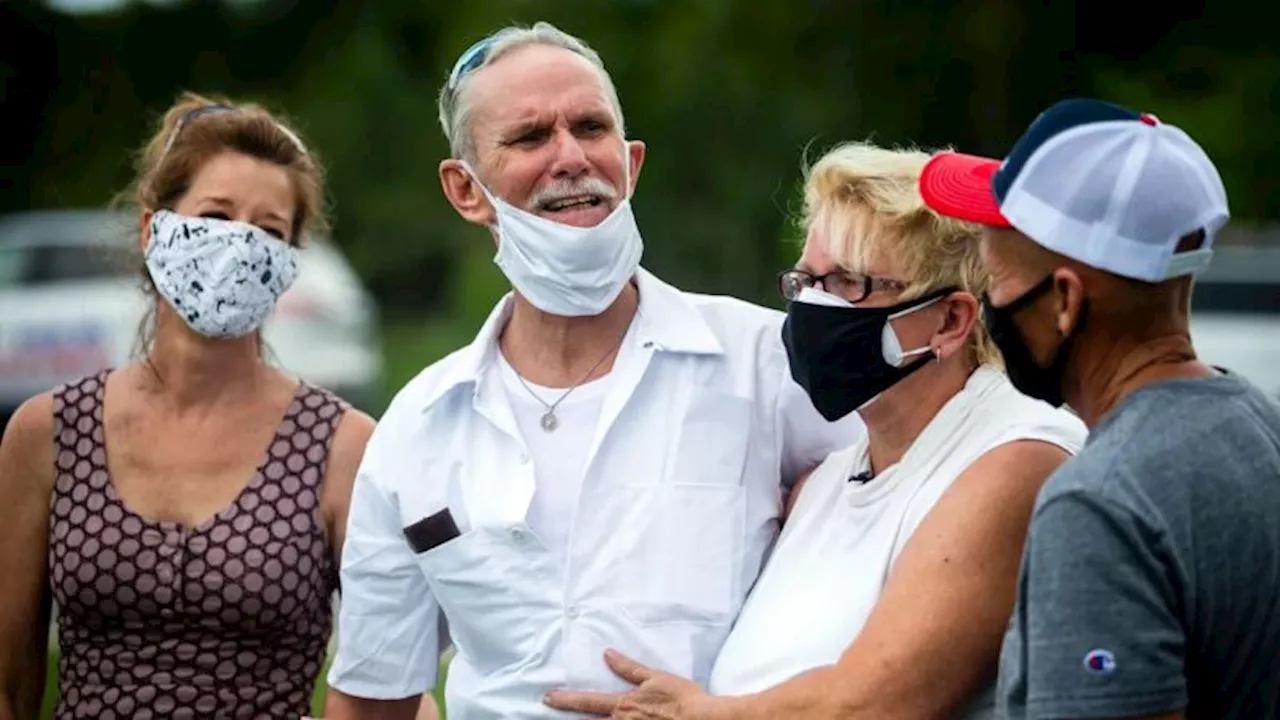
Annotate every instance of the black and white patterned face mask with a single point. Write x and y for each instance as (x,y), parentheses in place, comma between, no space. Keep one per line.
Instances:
(221,277)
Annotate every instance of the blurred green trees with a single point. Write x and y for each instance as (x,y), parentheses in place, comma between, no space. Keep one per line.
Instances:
(728,95)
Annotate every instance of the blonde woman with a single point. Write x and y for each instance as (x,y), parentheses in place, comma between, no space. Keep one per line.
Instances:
(893,579)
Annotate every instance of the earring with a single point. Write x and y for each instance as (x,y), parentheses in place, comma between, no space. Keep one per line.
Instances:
(937,354)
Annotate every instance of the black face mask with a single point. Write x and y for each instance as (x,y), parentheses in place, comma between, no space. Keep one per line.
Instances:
(1032,380)
(837,355)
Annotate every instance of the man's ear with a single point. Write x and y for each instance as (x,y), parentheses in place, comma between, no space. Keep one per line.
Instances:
(635,158)
(463,192)
(1069,302)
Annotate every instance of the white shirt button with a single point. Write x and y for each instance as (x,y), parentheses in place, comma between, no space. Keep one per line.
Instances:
(517,534)
(524,458)
(572,611)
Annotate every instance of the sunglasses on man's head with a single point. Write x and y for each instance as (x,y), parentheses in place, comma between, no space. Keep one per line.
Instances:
(471,59)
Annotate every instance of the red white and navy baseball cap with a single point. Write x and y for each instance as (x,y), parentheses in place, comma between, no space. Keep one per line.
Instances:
(1096,182)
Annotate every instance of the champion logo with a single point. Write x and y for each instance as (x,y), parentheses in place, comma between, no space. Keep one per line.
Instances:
(1101,662)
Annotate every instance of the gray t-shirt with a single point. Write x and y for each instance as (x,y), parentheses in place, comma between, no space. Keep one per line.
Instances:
(1151,580)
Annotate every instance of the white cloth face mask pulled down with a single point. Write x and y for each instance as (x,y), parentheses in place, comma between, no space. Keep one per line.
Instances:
(563,269)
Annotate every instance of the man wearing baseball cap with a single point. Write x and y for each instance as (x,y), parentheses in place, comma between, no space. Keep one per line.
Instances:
(1150,583)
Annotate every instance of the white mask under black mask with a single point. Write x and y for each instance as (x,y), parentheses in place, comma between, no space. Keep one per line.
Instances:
(220,276)
(564,269)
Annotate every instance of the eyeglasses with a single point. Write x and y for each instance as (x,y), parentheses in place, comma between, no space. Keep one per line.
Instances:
(853,287)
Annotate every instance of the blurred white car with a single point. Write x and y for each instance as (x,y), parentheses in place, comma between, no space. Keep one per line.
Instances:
(1235,313)
(71,303)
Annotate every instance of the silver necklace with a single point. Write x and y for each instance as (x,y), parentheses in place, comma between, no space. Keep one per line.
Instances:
(549,421)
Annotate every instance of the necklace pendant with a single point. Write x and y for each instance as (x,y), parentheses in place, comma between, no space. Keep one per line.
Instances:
(549,421)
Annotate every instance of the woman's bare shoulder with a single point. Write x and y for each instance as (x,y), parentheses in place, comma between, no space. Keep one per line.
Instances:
(26,451)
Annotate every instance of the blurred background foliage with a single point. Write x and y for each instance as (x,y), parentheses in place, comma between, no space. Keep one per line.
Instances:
(730,96)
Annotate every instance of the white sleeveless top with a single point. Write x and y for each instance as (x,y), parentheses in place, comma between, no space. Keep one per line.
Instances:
(842,539)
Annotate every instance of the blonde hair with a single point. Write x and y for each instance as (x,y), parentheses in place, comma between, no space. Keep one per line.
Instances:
(865,202)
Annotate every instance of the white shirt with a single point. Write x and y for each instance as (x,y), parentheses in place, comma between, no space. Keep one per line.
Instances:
(677,508)
(560,456)
(843,538)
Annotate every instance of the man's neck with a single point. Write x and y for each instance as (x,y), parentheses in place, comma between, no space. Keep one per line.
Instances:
(1112,371)
(559,352)
(896,420)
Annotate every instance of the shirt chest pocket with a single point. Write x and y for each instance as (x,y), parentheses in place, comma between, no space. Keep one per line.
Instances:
(712,440)
(690,524)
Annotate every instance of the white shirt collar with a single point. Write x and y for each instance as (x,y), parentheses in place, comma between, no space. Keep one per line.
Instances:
(668,322)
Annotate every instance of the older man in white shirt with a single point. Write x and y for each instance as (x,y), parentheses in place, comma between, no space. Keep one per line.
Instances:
(602,467)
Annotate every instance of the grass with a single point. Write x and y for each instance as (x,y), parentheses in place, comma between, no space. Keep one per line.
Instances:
(408,347)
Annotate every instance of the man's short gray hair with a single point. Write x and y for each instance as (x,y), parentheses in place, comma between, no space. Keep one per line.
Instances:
(455,108)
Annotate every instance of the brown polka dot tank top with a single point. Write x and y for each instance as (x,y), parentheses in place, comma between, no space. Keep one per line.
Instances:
(230,619)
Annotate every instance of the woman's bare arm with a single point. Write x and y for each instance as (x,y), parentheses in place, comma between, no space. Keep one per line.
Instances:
(935,634)
(346,450)
(26,487)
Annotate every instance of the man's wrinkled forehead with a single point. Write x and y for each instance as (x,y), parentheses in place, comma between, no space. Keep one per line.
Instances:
(533,79)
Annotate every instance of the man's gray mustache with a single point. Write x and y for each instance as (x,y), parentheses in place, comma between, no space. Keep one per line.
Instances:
(560,191)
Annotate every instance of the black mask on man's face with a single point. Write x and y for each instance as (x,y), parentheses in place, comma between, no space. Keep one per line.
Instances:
(1027,375)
